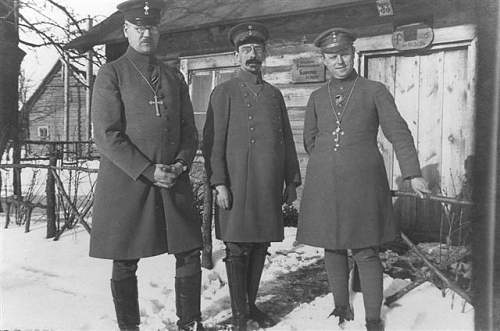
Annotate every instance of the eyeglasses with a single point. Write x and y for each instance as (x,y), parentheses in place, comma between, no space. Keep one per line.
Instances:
(142,28)
(246,49)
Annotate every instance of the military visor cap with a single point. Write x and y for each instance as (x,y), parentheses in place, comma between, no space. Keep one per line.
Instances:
(246,33)
(140,12)
(334,40)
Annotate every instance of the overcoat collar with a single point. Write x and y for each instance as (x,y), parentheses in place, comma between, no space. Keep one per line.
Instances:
(140,59)
(249,77)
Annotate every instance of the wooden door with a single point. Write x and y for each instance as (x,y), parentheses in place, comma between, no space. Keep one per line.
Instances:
(432,91)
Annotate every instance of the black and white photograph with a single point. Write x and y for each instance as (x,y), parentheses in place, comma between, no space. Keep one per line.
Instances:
(244,165)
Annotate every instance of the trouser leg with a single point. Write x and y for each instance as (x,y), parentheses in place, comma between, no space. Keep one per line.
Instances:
(125,296)
(237,268)
(188,290)
(256,261)
(371,277)
(338,278)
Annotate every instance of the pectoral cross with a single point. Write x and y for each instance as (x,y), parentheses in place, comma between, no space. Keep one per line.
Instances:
(336,136)
(156,102)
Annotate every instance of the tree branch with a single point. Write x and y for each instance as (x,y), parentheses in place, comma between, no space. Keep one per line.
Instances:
(68,14)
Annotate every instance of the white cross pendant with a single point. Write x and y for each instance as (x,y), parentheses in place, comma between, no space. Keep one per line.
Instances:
(337,133)
(156,102)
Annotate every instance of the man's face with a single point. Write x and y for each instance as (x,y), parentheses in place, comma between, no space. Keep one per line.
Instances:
(251,56)
(340,63)
(144,39)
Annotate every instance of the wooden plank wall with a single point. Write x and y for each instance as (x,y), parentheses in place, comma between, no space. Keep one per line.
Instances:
(278,71)
(433,91)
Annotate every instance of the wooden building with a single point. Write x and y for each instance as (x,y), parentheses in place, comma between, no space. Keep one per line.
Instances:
(423,50)
(51,114)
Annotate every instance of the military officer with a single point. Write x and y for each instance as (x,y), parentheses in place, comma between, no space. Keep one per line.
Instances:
(346,202)
(252,163)
(144,130)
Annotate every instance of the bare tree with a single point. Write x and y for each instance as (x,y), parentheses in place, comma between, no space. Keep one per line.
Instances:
(46,23)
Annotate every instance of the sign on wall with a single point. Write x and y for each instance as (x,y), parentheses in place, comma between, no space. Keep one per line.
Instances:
(412,36)
(308,70)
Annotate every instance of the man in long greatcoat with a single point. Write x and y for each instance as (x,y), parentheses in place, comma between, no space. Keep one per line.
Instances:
(144,130)
(346,202)
(252,163)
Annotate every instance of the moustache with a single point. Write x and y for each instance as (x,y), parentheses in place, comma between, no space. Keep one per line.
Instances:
(253,61)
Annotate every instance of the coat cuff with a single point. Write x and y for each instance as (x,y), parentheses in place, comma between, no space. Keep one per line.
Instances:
(149,173)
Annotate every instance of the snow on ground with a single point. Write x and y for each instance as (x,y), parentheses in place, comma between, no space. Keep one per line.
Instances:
(56,286)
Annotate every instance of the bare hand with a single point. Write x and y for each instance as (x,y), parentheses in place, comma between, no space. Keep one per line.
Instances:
(223,197)
(164,177)
(420,186)
(290,194)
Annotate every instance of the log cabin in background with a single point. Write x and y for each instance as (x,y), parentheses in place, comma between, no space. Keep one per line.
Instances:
(56,112)
(424,51)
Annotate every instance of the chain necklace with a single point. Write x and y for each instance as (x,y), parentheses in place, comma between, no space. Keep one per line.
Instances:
(155,100)
(338,117)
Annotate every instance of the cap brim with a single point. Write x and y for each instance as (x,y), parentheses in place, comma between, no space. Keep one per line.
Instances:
(335,49)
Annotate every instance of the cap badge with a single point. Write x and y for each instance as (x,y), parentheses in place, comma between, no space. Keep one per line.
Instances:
(334,37)
(250,28)
(146,8)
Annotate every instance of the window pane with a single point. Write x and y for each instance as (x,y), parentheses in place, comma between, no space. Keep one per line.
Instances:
(201,87)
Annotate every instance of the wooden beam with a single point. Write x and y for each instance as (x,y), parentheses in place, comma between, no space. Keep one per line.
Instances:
(486,239)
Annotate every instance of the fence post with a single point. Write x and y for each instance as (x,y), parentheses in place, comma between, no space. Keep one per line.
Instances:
(50,191)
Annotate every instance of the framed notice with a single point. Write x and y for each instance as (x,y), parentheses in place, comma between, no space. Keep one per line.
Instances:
(308,70)
(412,36)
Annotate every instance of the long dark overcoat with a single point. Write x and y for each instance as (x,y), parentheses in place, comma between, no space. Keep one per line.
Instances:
(249,147)
(346,202)
(132,218)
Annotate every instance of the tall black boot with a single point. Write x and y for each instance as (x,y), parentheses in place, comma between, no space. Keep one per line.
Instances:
(236,268)
(126,302)
(187,302)
(256,263)
(374,325)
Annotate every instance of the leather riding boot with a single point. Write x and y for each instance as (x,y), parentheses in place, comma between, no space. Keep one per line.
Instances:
(256,263)
(126,302)
(374,325)
(236,268)
(356,282)
(187,302)
(344,313)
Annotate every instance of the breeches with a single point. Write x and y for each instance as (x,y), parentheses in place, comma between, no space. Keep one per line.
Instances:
(186,264)
(370,273)
(245,249)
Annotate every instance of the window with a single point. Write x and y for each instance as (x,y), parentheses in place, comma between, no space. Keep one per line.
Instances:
(201,84)
(43,132)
